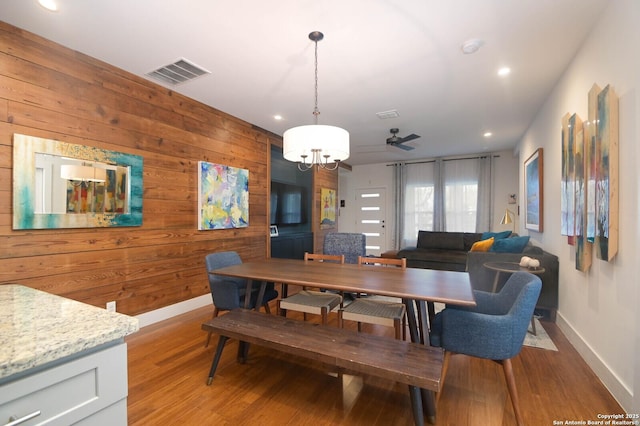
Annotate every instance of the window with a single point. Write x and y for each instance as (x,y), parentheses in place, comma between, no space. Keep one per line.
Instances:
(461,201)
(455,182)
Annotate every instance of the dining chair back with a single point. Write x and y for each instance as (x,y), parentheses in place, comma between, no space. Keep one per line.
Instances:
(373,311)
(312,301)
(351,245)
(229,293)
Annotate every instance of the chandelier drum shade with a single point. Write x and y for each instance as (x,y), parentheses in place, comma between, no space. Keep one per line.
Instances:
(316,144)
(320,145)
(83,173)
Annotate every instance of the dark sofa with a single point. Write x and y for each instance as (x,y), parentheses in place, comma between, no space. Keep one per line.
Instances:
(445,251)
(482,278)
(450,251)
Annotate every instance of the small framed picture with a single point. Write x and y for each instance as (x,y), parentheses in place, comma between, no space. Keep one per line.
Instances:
(274,231)
(533,196)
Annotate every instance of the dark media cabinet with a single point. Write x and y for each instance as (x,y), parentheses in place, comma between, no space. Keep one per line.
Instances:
(292,246)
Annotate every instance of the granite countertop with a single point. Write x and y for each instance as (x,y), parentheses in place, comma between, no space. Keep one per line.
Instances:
(38,328)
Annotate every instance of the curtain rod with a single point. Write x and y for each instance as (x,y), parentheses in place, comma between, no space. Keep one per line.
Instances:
(445,159)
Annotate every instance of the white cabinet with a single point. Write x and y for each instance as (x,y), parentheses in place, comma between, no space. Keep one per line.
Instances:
(86,390)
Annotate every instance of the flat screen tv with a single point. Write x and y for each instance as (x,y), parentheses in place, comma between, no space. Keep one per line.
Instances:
(288,203)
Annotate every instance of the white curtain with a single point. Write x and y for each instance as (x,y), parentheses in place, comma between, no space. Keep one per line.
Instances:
(461,194)
(399,183)
(451,195)
(418,201)
(485,194)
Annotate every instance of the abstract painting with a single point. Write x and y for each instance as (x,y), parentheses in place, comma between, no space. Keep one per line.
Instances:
(328,211)
(223,196)
(606,238)
(583,247)
(569,126)
(589,192)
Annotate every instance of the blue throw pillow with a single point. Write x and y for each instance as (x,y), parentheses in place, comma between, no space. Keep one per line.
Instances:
(510,245)
(495,235)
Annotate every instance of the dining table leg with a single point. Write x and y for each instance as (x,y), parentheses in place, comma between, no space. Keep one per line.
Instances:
(419,332)
(411,320)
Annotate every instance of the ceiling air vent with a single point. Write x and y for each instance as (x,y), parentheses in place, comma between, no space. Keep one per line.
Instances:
(178,72)
(387,114)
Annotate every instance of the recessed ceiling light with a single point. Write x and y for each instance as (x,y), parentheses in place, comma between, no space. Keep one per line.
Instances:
(471,46)
(504,71)
(277,117)
(49,5)
(487,134)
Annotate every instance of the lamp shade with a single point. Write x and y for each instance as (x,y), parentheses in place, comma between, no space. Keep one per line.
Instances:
(82,173)
(506,219)
(319,143)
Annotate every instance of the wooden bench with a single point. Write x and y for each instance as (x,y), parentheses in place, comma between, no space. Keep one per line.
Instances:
(413,364)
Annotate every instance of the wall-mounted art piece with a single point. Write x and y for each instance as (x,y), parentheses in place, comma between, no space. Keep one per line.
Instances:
(583,247)
(328,210)
(533,191)
(606,151)
(223,196)
(590,133)
(567,225)
(589,210)
(63,185)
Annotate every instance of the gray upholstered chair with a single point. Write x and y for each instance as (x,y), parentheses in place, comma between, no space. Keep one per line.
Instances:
(310,301)
(494,329)
(228,292)
(351,245)
(372,311)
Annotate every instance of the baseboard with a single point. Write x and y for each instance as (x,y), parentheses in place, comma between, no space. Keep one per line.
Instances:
(611,381)
(170,311)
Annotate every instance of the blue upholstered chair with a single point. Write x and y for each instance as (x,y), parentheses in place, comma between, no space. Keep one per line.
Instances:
(494,329)
(229,293)
(351,245)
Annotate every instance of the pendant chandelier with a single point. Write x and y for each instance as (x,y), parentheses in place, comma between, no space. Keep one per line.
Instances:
(316,144)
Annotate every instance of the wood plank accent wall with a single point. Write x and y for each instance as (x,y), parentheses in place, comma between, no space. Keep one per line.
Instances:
(49,91)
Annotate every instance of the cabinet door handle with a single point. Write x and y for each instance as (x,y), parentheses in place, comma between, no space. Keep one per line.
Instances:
(14,422)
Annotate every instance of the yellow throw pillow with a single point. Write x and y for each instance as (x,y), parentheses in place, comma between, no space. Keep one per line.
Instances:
(483,245)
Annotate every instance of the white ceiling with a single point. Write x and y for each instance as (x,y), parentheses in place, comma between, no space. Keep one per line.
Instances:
(377,55)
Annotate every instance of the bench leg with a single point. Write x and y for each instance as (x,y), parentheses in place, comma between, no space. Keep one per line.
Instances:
(243,351)
(416,405)
(429,405)
(216,358)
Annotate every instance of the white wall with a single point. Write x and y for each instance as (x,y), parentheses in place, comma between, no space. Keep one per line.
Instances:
(381,176)
(598,310)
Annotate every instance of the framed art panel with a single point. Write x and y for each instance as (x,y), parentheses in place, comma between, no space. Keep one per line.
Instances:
(223,196)
(58,184)
(329,206)
(606,191)
(533,172)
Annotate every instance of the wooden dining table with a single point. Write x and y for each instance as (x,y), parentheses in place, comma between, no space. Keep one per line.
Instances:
(413,285)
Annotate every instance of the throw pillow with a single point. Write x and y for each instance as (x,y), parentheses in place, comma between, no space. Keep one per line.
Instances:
(496,235)
(510,245)
(483,245)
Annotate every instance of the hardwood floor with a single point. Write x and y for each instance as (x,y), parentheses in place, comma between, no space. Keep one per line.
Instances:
(168,368)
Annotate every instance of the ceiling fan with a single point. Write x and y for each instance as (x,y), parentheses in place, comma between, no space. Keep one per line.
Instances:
(398,142)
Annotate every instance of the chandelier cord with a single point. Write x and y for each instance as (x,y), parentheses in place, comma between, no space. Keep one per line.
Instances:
(316,111)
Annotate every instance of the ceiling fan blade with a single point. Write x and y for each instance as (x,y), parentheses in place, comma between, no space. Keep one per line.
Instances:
(411,137)
(405,147)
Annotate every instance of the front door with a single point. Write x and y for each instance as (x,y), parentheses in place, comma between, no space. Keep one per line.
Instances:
(371,217)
